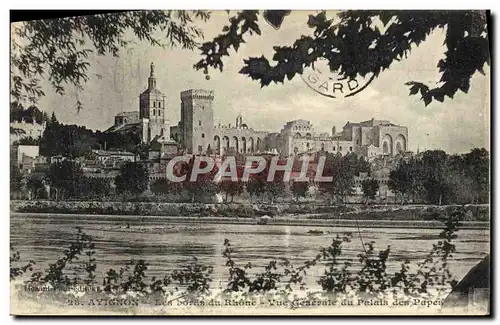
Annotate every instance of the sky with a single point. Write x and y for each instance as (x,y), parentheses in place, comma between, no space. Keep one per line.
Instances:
(455,125)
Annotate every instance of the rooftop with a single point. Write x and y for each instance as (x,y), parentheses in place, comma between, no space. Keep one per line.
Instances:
(127,114)
(370,123)
(299,121)
(111,153)
(130,127)
(152,91)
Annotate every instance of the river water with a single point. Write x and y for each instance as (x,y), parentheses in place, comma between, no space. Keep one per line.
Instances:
(43,238)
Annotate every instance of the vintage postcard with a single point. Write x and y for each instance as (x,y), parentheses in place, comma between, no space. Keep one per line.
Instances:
(255,162)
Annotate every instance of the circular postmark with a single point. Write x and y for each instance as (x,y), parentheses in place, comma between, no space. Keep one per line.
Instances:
(328,83)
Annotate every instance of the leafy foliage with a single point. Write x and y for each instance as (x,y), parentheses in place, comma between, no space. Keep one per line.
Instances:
(256,185)
(58,274)
(129,278)
(407,179)
(373,276)
(299,189)
(16,178)
(341,169)
(433,271)
(259,185)
(30,115)
(164,186)
(334,279)
(67,140)
(231,188)
(196,275)
(60,48)
(35,185)
(201,187)
(370,187)
(240,280)
(434,164)
(68,180)
(444,179)
(243,23)
(95,187)
(27,141)
(17,270)
(364,43)
(276,186)
(477,168)
(66,176)
(133,178)
(77,141)
(127,141)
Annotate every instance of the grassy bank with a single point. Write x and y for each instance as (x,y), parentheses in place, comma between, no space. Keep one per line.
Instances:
(287,220)
(232,211)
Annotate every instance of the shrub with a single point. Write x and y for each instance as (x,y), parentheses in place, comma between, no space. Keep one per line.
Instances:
(133,178)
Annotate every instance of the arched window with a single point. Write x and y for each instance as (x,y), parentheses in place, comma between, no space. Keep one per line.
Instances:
(217,144)
(385,147)
(154,104)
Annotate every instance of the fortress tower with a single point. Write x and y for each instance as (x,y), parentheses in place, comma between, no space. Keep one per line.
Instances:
(152,111)
(197,120)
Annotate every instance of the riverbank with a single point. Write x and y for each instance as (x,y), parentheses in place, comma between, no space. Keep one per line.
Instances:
(285,220)
(230,212)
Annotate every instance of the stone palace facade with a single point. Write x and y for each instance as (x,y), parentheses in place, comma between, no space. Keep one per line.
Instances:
(196,133)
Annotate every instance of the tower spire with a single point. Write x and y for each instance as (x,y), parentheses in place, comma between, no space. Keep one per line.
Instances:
(152,73)
(152,78)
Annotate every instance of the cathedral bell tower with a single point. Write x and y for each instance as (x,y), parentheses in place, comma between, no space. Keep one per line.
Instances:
(152,111)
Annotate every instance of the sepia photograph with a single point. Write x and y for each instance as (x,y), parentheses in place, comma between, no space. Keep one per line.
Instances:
(250,162)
